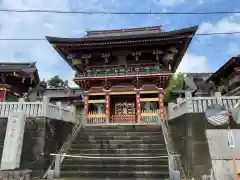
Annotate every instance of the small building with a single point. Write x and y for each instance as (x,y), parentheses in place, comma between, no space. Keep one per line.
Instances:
(16,79)
(123,72)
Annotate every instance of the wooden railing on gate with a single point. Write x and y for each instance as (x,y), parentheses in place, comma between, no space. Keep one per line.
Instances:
(147,117)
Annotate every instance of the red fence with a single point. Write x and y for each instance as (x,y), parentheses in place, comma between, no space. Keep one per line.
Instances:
(124,119)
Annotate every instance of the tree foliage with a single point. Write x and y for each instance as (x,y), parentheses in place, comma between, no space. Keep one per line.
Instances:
(176,84)
(57,82)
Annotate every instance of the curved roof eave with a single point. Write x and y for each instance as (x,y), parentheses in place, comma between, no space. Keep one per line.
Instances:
(190,31)
(225,66)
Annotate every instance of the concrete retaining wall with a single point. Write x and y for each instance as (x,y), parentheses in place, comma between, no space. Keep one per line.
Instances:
(221,154)
(203,147)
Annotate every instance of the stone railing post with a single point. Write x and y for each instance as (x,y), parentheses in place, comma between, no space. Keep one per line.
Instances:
(219,97)
(57,166)
(60,106)
(170,110)
(45,106)
(188,97)
(82,118)
(20,104)
(179,100)
(73,111)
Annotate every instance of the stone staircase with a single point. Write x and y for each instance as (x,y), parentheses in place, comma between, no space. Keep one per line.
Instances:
(143,143)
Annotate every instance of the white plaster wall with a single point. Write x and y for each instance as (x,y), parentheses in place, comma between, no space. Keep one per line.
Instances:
(221,153)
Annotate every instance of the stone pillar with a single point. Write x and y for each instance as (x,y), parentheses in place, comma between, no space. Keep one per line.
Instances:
(86,107)
(13,141)
(107,108)
(161,104)
(60,106)
(138,105)
(188,97)
(170,110)
(219,98)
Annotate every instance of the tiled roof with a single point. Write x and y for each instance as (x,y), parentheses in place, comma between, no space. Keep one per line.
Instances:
(27,68)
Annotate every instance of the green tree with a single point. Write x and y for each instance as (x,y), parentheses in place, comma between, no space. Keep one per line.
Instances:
(57,82)
(176,83)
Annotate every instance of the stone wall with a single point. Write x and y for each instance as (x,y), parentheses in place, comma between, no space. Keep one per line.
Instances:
(221,154)
(15,175)
(189,140)
(41,137)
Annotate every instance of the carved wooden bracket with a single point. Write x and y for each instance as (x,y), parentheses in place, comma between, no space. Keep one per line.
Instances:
(106,57)
(136,55)
(168,58)
(3,79)
(136,83)
(107,84)
(173,50)
(86,58)
(237,70)
(157,53)
(76,61)
(158,82)
(85,85)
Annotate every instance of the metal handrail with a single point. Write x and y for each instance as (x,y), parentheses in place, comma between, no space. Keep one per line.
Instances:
(109,157)
(59,156)
(168,141)
(65,146)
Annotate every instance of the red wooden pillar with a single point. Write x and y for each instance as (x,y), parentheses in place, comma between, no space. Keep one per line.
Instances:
(161,105)
(3,93)
(107,108)
(86,107)
(138,104)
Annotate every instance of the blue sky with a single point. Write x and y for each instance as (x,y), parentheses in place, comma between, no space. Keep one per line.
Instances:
(205,54)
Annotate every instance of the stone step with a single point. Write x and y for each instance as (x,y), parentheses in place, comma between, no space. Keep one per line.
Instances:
(116,133)
(129,128)
(87,145)
(144,137)
(109,154)
(127,141)
(101,161)
(126,167)
(120,150)
(119,174)
(77,178)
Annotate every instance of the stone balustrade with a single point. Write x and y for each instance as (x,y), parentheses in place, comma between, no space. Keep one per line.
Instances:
(38,109)
(191,104)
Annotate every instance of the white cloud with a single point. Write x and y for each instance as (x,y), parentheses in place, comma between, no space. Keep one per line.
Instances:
(167,2)
(224,25)
(233,49)
(193,63)
(39,25)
